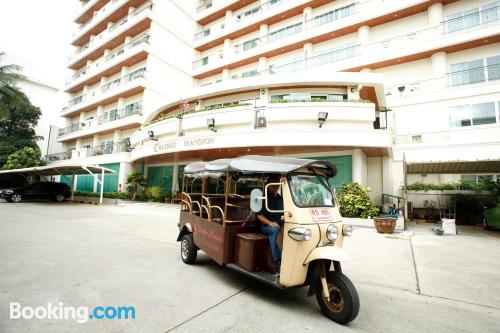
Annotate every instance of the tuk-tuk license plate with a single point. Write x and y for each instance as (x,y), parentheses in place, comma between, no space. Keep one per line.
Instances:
(320,214)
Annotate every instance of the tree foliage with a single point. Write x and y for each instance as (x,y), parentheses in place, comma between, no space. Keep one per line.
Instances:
(18,116)
(25,158)
(354,200)
(135,184)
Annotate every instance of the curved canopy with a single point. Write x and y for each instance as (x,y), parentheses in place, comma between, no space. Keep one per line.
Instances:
(252,164)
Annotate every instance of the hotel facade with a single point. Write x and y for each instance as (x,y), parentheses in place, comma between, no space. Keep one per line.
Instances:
(367,85)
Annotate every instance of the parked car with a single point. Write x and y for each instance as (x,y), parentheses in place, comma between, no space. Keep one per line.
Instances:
(491,218)
(12,180)
(53,191)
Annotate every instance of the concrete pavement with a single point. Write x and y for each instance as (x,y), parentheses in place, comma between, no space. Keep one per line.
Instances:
(86,255)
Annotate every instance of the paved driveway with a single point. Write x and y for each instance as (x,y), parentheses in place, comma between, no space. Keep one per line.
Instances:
(85,255)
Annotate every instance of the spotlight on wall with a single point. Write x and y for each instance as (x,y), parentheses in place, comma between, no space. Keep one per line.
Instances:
(152,136)
(322,116)
(211,124)
(401,89)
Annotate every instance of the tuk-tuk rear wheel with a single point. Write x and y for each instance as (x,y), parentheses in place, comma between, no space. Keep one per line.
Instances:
(188,250)
(343,306)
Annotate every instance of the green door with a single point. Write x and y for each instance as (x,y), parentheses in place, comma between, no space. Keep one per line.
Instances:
(110,179)
(85,183)
(161,176)
(344,169)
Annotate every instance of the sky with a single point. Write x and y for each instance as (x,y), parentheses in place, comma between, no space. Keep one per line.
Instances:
(38,33)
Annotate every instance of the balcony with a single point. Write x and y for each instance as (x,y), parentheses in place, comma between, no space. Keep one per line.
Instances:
(105,148)
(113,11)
(86,11)
(122,87)
(114,119)
(211,10)
(277,124)
(126,55)
(410,46)
(460,83)
(135,23)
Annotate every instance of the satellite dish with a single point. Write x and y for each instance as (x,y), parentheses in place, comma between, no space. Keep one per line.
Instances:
(256,200)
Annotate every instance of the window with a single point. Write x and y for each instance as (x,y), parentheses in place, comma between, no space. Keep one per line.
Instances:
(459,116)
(467,72)
(345,11)
(249,73)
(285,32)
(473,114)
(493,64)
(463,20)
(334,15)
(483,113)
(490,12)
(250,44)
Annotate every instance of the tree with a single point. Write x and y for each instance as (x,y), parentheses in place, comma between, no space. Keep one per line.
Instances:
(135,184)
(18,116)
(25,158)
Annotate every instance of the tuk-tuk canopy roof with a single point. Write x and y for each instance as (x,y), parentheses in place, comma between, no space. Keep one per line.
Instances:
(255,164)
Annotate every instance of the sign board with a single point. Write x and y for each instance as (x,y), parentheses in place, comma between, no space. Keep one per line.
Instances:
(320,214)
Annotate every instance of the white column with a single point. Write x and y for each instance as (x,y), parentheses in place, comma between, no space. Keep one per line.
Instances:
(124,71)
(307,14)
(96,140)
(229,19)
(100,112)
(435,14)
(366,70)
(263,97)
(228,47)
(263,33)
(364,34)
(125,170)
(175,176)
(121,103)
(263,64)
(82,117)
(199,105)
(131,9)
(359,167)
(439,63)
(226,74)
(117,136)
(307,52)
(78,144)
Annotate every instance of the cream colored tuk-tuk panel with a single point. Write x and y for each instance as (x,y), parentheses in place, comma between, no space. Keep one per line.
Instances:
(295,253)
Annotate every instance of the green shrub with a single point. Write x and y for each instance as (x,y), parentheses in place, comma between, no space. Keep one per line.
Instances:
(483,185)
(157,193)
(354,200)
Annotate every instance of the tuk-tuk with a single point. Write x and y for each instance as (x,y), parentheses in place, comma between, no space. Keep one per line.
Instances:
(221,201)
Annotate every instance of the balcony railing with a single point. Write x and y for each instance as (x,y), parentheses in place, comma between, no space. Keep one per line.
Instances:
(88,71)
(98,15)
(244,16)
(318,20)
(449,80)
(74,127)
(65,155)
(129,18)
(137,74)
(204,6)
(107,148)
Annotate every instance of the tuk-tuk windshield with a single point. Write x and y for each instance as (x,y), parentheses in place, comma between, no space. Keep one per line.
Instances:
(310,191)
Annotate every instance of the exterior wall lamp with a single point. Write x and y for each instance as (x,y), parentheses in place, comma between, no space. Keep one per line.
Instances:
(152,136)
(211,124)
(322,116)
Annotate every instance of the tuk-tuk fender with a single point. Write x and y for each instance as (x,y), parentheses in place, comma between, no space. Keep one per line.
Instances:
(186,229)
(328,253)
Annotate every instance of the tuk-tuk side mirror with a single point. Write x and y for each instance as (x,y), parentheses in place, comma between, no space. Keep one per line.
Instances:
(256,198)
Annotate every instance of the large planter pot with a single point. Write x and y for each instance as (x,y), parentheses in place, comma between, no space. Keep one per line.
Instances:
(385,225)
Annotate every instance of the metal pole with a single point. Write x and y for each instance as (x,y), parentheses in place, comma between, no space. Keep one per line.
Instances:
(102,186)
(74,187)
(405,187)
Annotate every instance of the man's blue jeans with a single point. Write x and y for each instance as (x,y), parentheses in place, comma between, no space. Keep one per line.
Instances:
(272,233)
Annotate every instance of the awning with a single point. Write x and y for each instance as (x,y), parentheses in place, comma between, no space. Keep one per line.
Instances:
(252,164)
(64,170)
(453,167)
(60,169)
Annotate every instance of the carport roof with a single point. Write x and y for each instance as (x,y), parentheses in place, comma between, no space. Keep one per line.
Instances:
(60,169)
(454,167)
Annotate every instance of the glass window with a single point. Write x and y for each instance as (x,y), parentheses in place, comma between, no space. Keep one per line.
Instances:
(337,97)
(250,44)
(490,12)
(284,32)
(310,191)
(462,20)
(459,116)
(249,73)
(493,64)
(467,72)
(483,113)
(345,11)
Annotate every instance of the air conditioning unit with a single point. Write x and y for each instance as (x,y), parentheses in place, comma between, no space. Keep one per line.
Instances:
(260,122)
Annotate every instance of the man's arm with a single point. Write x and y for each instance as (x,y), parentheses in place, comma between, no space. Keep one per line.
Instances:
(266,221)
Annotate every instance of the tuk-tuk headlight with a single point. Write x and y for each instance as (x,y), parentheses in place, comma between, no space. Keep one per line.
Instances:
(332,232)
(347,230)
(300,234)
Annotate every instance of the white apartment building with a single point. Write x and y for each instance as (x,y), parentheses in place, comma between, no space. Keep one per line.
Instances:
(366,84)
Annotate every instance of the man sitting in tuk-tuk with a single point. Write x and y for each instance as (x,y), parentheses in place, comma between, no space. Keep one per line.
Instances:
(270,222)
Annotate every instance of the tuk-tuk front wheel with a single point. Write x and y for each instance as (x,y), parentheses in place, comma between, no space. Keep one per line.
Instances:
(188,249)
(343,305)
